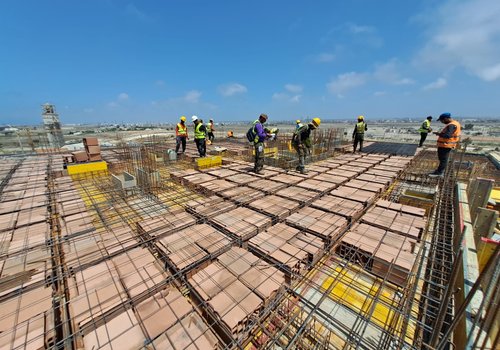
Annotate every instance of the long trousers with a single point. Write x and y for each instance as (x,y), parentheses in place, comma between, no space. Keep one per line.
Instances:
(358,138)
(211,136)
(259,157)
(443,156)
(180,140)
(201,146)
(301,152)
(423,136)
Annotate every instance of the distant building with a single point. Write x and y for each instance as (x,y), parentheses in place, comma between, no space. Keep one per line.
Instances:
(52,126)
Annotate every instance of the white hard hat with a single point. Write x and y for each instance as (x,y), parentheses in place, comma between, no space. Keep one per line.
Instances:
(194,118)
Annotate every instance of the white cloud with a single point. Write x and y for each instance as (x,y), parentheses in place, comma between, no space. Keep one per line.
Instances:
(324,57)
(345,82)
(123,96)
(438,84)
(192,96)
(357,29)
(232,89)
(389,73)
(293,88)
(282,96)
(464,34)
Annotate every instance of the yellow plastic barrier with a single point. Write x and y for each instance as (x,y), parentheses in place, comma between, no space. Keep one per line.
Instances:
(87,167)
(208,162)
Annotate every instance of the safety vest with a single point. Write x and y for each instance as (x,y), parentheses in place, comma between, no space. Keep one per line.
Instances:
(198,134)
(256,138)
(209,127)
(360,128)
(182,129)
(451,142)
(425,126)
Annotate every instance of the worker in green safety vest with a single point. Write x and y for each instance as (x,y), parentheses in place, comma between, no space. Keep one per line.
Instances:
(358,135)
(424,130)
(199,136)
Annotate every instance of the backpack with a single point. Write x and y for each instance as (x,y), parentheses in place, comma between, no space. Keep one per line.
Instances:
(251,134)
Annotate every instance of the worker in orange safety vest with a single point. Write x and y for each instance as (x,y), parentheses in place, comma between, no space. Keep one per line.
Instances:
(447,141)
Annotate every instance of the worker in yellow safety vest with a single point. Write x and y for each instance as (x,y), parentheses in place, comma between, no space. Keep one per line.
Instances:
(181,135)
(301,141)
(199,136)
(358,135)
(210,130)
(424,130)
(447,141)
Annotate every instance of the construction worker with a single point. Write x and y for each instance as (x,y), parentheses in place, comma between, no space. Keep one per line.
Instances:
(358,135)
(259,137)
(301,141)
(199,135)
(448,139)
(210,130)
(181,135)
(299,124)
(424,130)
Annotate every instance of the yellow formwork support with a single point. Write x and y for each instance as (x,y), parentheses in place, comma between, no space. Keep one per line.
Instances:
(270,152)
(87,167)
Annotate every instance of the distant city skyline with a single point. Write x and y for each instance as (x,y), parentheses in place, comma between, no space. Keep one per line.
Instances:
(120,61)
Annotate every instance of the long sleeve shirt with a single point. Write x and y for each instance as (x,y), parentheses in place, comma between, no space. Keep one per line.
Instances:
(259,130)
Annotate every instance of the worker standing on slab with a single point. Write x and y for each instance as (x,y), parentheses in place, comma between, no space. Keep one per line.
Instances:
(424,130)
(448,139)
(301,141)
(358,135)
(181,135)
(199,136)
(259,136)
(210,130)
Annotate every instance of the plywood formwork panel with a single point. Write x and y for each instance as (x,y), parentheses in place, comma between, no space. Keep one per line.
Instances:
(25,267)
(276,206)
(24,312)
(331,177)
(221,172)
(165,224)
(242,179)
(317,185)
(242,223)
(399,222)
(386,173)
(366,185)
(29,236)
(242,194)
(191,246)
(326,225)
(364,197)
(209,206)
(288,178)
(215,186)
(10,207)
(341,206)
(267,186)
(29,334)
(375,178)
(343,173)
(287,248)
(190,333)
(97,289)
(121,332)
(298,194)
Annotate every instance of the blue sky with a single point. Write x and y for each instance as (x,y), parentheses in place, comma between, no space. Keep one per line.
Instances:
(152,61)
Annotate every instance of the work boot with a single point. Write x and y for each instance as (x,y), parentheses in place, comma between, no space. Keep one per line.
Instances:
(436,174)
(304,171)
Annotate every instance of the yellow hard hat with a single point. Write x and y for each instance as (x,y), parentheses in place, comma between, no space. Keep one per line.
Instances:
(316,122)
(361,117)
(183,118)
(298,121)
